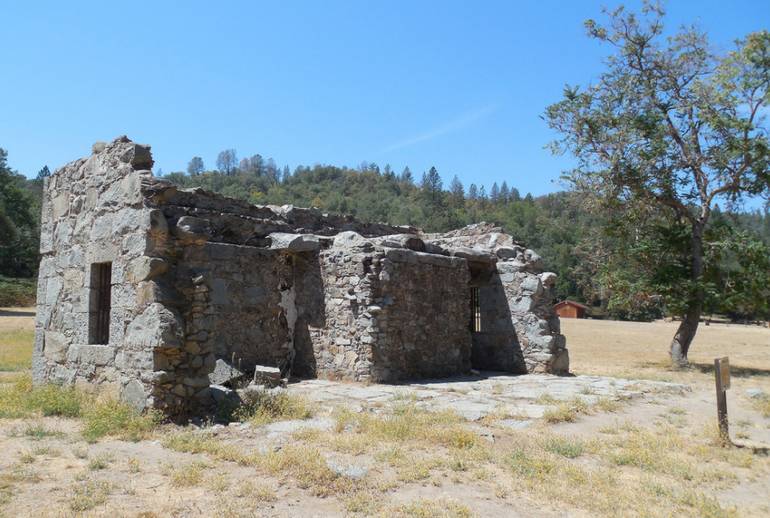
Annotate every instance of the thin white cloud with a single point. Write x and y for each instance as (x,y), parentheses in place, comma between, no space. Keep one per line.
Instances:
(454,125)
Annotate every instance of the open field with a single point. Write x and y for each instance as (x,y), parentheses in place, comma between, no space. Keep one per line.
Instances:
(583,448)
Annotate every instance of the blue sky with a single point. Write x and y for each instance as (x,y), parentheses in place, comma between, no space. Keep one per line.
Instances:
(458,85)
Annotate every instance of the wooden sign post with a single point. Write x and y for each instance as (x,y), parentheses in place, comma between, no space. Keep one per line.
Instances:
(722,378)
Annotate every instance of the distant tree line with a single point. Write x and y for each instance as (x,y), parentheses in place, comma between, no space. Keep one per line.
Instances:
(634,279)
(587,248)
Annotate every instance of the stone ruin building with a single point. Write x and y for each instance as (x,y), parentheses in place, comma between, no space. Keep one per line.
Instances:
(150,290)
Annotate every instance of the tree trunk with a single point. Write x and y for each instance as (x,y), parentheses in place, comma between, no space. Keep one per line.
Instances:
(684,335)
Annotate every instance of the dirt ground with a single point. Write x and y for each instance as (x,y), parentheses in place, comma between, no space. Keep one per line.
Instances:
(651,455)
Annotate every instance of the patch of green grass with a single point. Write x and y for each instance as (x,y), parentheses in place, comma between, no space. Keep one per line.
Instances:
(35,431)
(21,399)
(114,418)
(564,446)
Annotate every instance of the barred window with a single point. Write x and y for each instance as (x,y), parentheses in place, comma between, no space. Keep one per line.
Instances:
(100,303)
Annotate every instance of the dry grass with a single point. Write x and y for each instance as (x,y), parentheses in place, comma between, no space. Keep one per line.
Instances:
(640,350)
(187,475)
(17,332)
(15,351)
(425,508)
(762,404)
(661,475)
(265,406)
(88,494)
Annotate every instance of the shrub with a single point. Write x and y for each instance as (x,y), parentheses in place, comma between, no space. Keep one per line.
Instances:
(264,406)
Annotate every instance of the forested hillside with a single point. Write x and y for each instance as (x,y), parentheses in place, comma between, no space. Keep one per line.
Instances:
(592,254)
(19,234)
(607,261)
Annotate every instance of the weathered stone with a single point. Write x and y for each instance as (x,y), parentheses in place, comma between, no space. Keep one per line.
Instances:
(55,346)
(224,373)
(267,376)
(473,255)
(135,395)
(294,242)
(192,229)
(409,241)
(145,268)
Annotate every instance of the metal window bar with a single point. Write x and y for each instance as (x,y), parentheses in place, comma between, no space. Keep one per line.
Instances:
(475,323)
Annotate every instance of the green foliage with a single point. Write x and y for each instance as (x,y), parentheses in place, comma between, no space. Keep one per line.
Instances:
(668,131)
(101,417)
(19,221)
(17,292)
(21,399)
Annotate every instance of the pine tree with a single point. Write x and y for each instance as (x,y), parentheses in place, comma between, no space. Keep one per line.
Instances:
(494,193)
(505,192)
(406,176)
(456,188)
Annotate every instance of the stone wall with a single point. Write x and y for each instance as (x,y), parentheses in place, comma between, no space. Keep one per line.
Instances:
(421,311)
(93,213)
(342,337)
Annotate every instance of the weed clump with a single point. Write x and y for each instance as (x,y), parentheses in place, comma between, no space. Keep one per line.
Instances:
(265,406)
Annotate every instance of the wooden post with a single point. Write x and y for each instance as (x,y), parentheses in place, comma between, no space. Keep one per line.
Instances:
(722,378)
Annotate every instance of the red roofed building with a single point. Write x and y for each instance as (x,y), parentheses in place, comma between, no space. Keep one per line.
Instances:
(570,309)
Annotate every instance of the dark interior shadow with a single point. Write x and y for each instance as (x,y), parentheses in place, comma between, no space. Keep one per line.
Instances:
(311,312)
(496,346)
(15,313)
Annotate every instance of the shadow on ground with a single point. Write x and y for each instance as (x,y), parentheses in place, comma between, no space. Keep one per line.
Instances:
(735,370)
(16,313)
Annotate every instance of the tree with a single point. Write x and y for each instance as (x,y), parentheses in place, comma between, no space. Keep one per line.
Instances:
(406,176)
(672,125)
(456,188)
(271,171)
(431,184)
(43,173)
(494,193)
(19,210)
(505,192)
(195,166)
(473,192)
(226,161)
